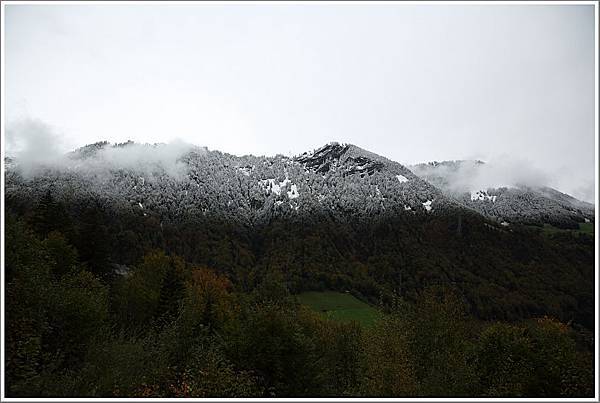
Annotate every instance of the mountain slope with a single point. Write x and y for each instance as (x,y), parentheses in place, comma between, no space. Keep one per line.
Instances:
(172,181)
(465,182)
(337,218)
(153,179)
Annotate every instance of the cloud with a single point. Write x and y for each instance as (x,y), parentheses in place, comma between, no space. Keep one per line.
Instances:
(35,145)
(586,192)
(509,171)
(32,143)
(469,175)
(505,171)
(144,158)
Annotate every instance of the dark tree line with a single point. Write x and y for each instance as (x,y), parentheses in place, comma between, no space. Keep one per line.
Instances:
(105,303)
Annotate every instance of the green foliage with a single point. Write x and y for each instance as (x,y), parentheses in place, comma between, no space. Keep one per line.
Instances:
(388,368)
(210,374)
(51,215)
(77,310)
(559,369)
(27,282)
(421,349)
(207,301)
(535,358)
(272,289)
(587,228)
(440,344)
(583,228)
(503,362)
(222,321)
(270,340)
(152,289)
(53,310)
(171,291)
(340,347)
(93,243)
(61,253)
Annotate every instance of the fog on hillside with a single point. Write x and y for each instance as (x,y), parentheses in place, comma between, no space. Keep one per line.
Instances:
(34,146)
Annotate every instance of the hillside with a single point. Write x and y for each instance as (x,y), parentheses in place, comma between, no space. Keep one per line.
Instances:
(466,182)
(175,271)
(338,217)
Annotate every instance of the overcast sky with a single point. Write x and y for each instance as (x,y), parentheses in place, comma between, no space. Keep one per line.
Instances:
(411,82)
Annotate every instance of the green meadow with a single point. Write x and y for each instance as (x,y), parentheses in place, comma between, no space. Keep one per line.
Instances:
(340,306)
(585,228)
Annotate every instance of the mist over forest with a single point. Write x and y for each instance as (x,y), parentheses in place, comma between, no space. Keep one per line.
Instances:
(35,144)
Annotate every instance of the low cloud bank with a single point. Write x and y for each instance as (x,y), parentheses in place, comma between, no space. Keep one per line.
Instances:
(502,171)
(586,191)
(35,146)
(32,143)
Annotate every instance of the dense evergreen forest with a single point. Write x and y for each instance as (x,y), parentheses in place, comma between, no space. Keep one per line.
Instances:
(104,303)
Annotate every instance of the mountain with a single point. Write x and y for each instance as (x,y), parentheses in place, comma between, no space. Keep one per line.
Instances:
(465,182)
(337,218)
(170,183)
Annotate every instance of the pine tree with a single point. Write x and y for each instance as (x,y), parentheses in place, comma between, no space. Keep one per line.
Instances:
(94,244)
(171,293)
(51,215)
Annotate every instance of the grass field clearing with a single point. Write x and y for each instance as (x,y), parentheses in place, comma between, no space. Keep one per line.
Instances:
(340,306)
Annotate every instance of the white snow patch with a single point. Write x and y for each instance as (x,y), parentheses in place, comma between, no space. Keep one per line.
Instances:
(401,178)
(270,184)
(586,219)
(141,206)
(427,205)
(407,208)
(504,224)
(481,195)
(476,195)
(277,187)
(293,192)
(245,170)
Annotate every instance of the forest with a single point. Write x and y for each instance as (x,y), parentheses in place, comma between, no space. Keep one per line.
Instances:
(101,302)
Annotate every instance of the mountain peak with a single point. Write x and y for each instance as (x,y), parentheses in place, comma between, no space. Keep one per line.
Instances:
(333,155)
(322,159)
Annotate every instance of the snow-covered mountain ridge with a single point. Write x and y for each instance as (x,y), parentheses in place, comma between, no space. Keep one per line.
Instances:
(157,180)
(174,180)
(469,183)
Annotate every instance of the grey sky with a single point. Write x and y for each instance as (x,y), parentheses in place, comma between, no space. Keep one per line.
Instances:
(411,82)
